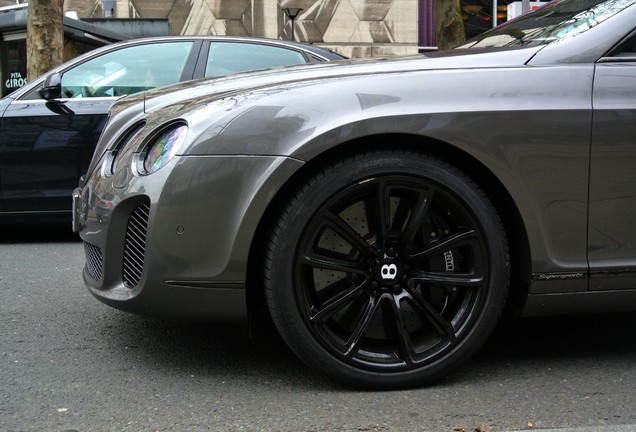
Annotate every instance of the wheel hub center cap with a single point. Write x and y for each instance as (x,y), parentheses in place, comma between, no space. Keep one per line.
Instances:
(388,271)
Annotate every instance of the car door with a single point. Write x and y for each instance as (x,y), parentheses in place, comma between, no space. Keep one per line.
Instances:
(47,145)
(612,214)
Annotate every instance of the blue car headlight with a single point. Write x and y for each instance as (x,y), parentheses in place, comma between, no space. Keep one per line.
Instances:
(163,148)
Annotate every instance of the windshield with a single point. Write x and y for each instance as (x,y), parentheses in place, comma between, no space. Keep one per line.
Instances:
(558,20)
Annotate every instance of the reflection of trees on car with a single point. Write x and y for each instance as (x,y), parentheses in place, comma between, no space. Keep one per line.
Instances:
(548,25)
(449,25)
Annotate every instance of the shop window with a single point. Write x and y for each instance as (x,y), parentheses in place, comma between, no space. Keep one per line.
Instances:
(14,67)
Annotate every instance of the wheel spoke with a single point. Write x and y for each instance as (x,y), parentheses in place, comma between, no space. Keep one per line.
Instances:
(329,263)
(420,208)
(447,278)
(340,227)
(378,216)
(401,215)
(454,241)
(405,341)
(426,311)
(363,324)
(343,299)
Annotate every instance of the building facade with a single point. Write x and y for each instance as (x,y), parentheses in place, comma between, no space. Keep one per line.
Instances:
(354,28)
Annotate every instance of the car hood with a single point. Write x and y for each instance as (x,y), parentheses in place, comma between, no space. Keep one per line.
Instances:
(191,95)
(456,59)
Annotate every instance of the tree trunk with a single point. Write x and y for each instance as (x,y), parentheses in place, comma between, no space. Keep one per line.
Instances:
(449,24)
(45,36)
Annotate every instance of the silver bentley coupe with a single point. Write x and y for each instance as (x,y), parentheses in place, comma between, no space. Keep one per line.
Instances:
(383,213)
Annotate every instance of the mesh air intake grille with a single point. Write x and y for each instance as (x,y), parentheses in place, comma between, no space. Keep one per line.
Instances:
(94,262)
(135,245)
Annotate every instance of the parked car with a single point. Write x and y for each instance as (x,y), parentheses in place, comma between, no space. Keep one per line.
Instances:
(383,212)
(49,128)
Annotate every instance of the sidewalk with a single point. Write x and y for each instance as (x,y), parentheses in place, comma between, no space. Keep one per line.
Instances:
(619,428)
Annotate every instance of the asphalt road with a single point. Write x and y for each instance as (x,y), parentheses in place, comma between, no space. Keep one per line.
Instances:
(69,363)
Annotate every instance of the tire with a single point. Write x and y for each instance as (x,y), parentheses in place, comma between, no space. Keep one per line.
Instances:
(387,269)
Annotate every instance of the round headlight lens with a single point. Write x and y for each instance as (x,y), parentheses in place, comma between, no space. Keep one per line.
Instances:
(164,148)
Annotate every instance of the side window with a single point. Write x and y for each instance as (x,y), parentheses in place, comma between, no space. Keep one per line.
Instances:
(229,57)
(628,49)
(127,71)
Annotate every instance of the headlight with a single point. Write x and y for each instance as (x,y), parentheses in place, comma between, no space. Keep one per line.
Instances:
(163,148)
(125,145)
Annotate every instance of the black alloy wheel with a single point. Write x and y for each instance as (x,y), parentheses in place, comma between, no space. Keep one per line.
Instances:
(387,270)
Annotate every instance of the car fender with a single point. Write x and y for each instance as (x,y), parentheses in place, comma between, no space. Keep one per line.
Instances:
(304,121)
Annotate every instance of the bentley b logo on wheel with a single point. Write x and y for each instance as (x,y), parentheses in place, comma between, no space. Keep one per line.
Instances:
(388,271)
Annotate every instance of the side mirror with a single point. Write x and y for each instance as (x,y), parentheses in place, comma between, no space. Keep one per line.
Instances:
(52,88)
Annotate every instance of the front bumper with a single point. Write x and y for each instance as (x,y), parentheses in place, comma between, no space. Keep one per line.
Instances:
(177,242)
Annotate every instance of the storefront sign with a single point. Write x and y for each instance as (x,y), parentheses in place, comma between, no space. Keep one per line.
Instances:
(15,81)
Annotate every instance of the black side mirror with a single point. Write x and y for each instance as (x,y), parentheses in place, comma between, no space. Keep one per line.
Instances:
(52,88)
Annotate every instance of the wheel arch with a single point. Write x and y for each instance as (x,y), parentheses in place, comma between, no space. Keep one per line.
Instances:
(520,259)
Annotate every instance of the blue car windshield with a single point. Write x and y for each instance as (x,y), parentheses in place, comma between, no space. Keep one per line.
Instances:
(556,21)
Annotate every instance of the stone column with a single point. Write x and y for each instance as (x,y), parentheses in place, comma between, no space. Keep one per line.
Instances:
(265,15)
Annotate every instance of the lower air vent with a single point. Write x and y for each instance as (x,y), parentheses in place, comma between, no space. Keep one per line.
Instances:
(135,245)
(94,262)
